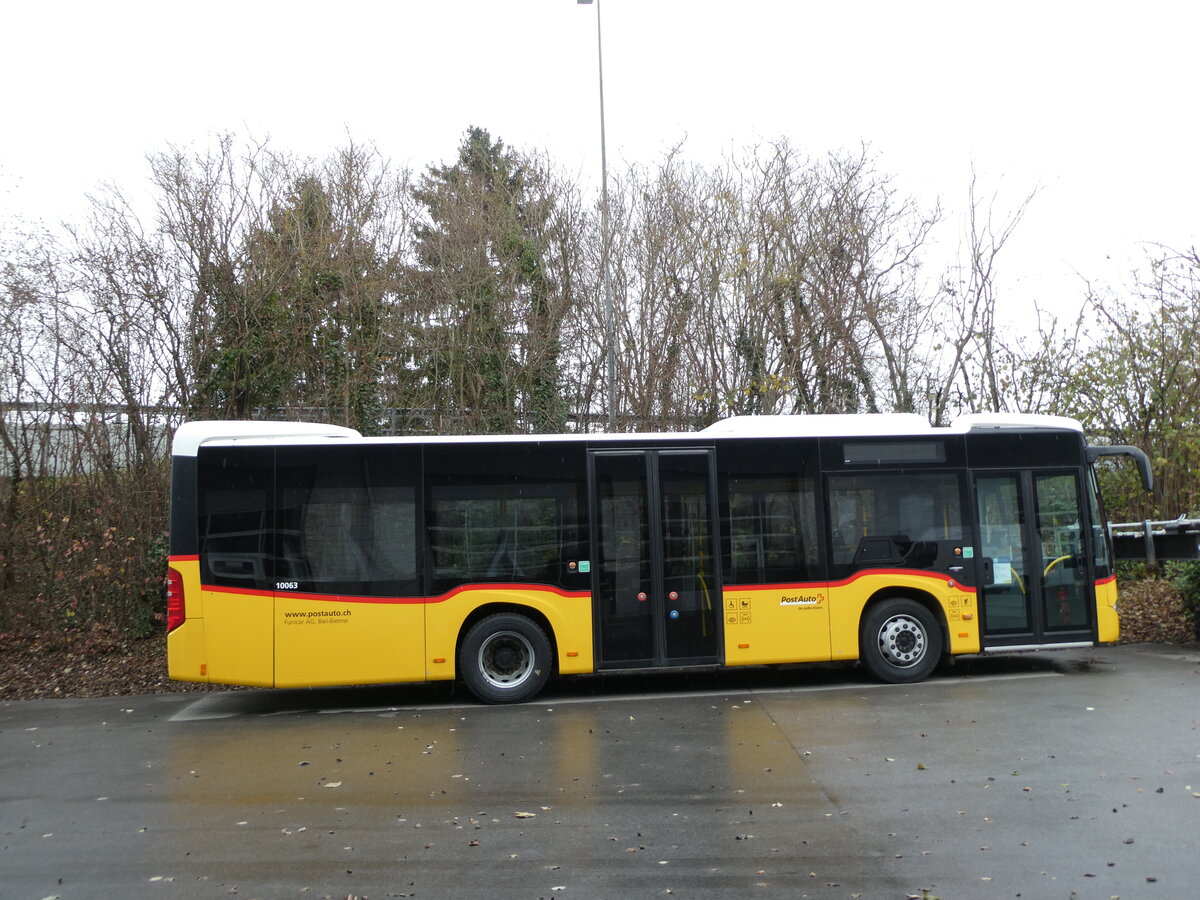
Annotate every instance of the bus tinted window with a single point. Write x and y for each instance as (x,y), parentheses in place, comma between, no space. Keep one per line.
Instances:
(1002,450)
(349,527)
(892,520)
(502,532)
(348,535)
(1100,548)
(234,502)
(772,530)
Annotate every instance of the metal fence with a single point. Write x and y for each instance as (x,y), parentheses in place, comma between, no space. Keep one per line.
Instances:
(39,440)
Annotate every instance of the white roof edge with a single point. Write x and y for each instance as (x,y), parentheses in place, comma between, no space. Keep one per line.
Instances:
(190,435)
(1011,421)
(881,424)
(821,425)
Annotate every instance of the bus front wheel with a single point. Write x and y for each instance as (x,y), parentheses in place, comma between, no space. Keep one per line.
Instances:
(901,641)
(505,658)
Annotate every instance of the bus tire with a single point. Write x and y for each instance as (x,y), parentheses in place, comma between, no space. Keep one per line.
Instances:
(901,641)
(505,658)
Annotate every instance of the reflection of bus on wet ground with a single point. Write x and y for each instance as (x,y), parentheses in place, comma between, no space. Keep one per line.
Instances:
(306,555)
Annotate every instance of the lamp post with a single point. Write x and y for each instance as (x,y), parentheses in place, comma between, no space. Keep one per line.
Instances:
(609,322)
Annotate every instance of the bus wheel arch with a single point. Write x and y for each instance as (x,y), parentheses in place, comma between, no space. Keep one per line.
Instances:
(902,637)
(505,654)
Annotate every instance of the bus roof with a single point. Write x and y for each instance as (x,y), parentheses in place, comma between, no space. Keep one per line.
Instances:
(191,435)
(882,425)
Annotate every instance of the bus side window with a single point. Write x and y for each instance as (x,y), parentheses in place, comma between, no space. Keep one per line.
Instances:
(344,524)
(896,519)
(394,534)
(514,532)
(233,521)
(772,530)
(334,529)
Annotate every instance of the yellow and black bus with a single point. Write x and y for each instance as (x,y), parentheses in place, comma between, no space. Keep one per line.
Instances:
(305,555)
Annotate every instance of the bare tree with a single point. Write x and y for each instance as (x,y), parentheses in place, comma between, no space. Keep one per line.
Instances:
(972,372)
(774,285)
(1137,381)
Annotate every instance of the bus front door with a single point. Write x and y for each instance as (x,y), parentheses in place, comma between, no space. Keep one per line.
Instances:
(655,572)
(1036,587)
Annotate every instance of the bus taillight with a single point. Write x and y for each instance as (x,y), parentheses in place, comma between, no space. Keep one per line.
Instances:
(175,609)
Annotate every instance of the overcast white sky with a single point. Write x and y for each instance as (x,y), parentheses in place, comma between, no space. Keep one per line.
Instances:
(1093,102)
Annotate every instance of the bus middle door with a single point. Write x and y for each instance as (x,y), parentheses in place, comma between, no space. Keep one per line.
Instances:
(656,577)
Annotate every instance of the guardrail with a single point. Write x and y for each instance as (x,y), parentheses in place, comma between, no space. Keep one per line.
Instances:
(1153,541)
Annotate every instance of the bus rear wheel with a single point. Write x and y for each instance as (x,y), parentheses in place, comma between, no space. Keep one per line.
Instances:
(505,658)
(900,642)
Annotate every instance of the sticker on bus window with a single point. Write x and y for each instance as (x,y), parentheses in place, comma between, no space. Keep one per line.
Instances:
(1002,570)
(585,566)
(968,552)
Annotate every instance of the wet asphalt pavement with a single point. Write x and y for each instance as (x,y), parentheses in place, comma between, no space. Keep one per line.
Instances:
(1055,775)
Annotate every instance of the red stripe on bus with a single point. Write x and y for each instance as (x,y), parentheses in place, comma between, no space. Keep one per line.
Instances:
(184,557)
(497,586)
(935,576)
(361,598)
(822,585)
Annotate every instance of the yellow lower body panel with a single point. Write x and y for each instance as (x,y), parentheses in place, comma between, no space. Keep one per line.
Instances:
(239,638)
(568,615)
(1108,623)
(958,607)
(779,624)
(338,640)
(187,656)
(187,652)
(816,621)
(302,640)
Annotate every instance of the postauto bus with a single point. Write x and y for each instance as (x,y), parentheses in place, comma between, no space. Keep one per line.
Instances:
(306,555)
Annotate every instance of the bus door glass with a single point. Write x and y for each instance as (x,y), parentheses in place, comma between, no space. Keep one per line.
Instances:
(655,573)
(1035,585)
(1068,587)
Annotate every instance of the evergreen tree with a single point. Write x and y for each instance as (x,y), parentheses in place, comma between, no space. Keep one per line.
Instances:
(490,352)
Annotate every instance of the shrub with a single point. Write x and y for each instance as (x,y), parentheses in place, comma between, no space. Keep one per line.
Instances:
(1186,578)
